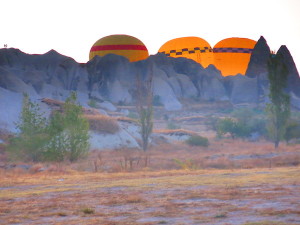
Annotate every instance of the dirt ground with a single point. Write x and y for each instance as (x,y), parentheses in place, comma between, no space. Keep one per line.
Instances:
(230,182)
(239,196)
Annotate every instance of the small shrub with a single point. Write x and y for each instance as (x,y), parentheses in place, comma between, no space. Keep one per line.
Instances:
(233,127)
(187,164)
(221,215)
(63,214)
(197,140)
(103,124)
(88,211)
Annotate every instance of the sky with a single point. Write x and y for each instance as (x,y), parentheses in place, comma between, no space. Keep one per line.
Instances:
(71,27)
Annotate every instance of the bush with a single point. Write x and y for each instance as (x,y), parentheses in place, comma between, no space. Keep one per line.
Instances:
(233,127)
(258,125)
(32,136)
(63,136)
(103,124)
(69,132)
(243,115)
(197,140)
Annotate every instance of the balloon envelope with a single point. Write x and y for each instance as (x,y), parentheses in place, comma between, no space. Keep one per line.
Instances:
(194,48)
(232,55)
(124,45)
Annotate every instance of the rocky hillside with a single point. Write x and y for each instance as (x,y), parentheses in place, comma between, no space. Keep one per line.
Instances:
(112,80)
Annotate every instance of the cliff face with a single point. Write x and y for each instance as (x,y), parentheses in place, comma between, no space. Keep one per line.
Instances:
(258,65)
(113,78)
(293,77)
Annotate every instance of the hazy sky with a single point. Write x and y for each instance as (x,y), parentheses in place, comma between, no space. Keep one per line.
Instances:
(71,27)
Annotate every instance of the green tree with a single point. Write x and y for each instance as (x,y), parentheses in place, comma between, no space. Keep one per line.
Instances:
(146,117)
(233,127)
(279,108)
(28,144)
(69,132)
(63,136)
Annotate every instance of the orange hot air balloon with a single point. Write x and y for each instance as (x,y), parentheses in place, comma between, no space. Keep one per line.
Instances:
(130,47)
(232,55)
(194,48)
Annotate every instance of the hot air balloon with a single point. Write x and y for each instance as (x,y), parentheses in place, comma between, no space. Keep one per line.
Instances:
(124,45)
(232,55)
(189,47)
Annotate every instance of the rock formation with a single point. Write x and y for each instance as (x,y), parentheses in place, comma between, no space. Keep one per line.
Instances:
(112,79)
(258,69)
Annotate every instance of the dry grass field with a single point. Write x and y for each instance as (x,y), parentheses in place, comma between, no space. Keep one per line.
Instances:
(210,196)
(229,182)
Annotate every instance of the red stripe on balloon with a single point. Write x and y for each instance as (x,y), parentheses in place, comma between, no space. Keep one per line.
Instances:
(118,47)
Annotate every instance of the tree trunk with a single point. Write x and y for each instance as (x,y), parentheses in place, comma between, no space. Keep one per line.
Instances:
(276,144)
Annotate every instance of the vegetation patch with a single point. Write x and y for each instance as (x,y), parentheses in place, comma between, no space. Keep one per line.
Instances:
(103,124)
(88,210)
(179,132)
(197,140)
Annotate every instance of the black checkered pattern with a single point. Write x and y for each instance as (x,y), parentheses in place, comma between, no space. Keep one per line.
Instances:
(187,51)
(232,50)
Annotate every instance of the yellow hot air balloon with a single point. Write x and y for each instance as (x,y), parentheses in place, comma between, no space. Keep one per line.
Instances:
(189,47)
(232,55)
(124,45)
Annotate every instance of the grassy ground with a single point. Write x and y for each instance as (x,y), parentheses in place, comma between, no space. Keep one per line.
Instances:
(228,182)
(240,196)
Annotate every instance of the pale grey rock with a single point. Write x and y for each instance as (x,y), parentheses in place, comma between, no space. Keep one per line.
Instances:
(82,98)
(295,101)
(13,83)
(125,112)
(167,97)
(118,93)
(121,139)
(171,138)
(159,73)
(188,89)
(108,106)
(243,89)
(132,129)
(175,85)
(10,109)
(213,89)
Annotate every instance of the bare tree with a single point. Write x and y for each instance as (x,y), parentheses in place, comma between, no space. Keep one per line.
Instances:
(144,106)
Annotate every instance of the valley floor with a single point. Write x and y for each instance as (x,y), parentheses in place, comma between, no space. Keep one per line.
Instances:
(207,196)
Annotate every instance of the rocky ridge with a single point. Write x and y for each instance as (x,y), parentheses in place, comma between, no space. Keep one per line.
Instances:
(112,80)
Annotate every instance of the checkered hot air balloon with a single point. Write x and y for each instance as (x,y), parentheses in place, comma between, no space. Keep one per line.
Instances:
(232,55)
(194,48)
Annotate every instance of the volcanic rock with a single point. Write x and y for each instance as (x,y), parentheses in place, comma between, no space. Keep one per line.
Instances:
(293,76)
